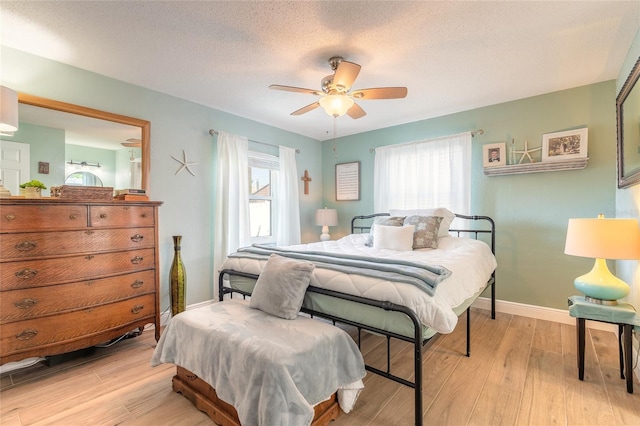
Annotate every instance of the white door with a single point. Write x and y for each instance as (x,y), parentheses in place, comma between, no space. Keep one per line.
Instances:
(14,165)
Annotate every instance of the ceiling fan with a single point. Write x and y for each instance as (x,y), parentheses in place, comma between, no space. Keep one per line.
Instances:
(132,143)
(336,96)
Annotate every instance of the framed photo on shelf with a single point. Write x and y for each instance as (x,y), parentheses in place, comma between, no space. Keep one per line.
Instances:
(562,146)
(348,181)
(494,154)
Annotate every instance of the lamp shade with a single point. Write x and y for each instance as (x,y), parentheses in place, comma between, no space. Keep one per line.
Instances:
(336,105)
(8,110)
(603,238)
(326,217)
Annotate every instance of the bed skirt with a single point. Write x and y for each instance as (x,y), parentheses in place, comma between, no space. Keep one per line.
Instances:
(205,399)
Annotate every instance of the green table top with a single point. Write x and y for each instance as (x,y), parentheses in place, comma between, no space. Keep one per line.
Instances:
(622,313)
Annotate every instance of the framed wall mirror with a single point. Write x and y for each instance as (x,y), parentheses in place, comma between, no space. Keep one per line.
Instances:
(87,135)
(628,116)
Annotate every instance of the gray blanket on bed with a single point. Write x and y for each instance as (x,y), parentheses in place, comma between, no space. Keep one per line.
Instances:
(270,369)
(425,277)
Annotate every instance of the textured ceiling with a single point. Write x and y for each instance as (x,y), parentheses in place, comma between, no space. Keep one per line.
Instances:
(452,56)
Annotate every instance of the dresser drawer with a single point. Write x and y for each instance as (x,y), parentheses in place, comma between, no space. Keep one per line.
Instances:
(61,328)
(38,301)
(36,244)
(42,216)
(41,272)
(121,215)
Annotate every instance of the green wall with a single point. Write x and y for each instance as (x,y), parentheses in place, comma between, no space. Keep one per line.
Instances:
(531,210)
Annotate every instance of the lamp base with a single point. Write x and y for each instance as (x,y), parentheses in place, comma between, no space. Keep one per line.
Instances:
(325,237)
(600,285)
(600,301)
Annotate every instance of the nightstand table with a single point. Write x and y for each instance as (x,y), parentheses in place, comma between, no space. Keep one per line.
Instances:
(622,314)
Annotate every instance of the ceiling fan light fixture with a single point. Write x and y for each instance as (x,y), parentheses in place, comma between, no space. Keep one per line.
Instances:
(336,105)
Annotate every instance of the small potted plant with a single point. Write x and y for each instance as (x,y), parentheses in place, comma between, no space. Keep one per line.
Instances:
(32,189)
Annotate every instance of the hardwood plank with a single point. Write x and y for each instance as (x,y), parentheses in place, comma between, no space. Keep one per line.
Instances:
(497,405)
(547,336)
(625,406)
(587,402)
(605,344)
(543,401)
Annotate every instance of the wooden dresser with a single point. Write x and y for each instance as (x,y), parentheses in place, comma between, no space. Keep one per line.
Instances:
(75,274)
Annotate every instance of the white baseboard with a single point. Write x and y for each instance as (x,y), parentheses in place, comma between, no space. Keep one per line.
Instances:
(539,312)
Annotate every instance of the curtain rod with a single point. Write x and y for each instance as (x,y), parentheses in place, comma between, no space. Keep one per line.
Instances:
(473,134)
(215,132)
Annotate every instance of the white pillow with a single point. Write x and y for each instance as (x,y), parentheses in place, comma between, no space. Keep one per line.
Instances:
(398,238)
(447,217)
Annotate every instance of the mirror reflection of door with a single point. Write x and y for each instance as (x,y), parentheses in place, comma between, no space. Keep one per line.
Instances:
(83,179)
(14,165)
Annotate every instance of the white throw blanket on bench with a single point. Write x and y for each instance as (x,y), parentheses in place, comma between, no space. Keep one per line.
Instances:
(272,370)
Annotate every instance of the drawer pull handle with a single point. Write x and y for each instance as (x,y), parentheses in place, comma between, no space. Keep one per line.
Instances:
(89,232)
(143,215)
(89,256)
(191,377)
(27,273)
(136,260)
(137,309)
(89,283)
(73,216)
(26,245)
(25,303)
(27,334)
(137,284)
(137,238)
(103,215)
(10,217)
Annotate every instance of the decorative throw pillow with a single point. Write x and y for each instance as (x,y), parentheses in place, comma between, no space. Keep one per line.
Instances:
(447,217)
(382,220)
(398,238)
(281,286)
(426,232)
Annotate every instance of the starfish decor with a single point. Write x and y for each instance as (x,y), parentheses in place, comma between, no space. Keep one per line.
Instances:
(184,163)
(527,152)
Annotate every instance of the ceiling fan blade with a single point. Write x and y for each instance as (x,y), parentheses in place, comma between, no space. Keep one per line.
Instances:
(294,89)
(356,111)
(346,74)
(380,93)
(308,108)
(131,144)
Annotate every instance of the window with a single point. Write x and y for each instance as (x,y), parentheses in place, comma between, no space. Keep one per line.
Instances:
(263,175)
(425,174)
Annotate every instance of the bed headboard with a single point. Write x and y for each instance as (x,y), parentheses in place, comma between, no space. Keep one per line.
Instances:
(483,226)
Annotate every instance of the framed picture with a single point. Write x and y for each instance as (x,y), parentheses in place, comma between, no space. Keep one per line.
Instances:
(562,146)
(494,154)
(348,181)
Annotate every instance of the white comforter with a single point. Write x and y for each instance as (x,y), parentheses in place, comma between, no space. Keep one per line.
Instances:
(471,263)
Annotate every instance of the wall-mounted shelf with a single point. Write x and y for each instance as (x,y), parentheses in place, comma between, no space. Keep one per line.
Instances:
(549,166)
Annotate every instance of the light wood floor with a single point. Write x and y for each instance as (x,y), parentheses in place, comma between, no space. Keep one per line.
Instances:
(521,372)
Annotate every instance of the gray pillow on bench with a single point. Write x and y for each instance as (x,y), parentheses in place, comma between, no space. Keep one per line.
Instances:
(281,286)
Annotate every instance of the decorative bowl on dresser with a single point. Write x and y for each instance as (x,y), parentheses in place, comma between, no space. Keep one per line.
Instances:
(75,273)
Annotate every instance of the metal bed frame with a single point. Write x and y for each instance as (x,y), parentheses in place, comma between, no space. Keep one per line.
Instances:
(417,340)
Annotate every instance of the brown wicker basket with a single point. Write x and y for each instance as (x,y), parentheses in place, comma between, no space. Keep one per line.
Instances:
(86,193)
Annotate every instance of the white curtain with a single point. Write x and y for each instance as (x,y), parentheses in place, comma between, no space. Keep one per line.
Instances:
(425,174)
(231,230)
(287,199)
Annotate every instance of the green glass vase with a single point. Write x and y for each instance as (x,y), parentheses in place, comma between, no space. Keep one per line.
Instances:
(178,276)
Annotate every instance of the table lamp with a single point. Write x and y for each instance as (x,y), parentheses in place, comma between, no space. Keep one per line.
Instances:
(326,218)
(603,239)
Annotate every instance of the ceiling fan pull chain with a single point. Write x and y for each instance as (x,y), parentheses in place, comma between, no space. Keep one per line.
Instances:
(335,151)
